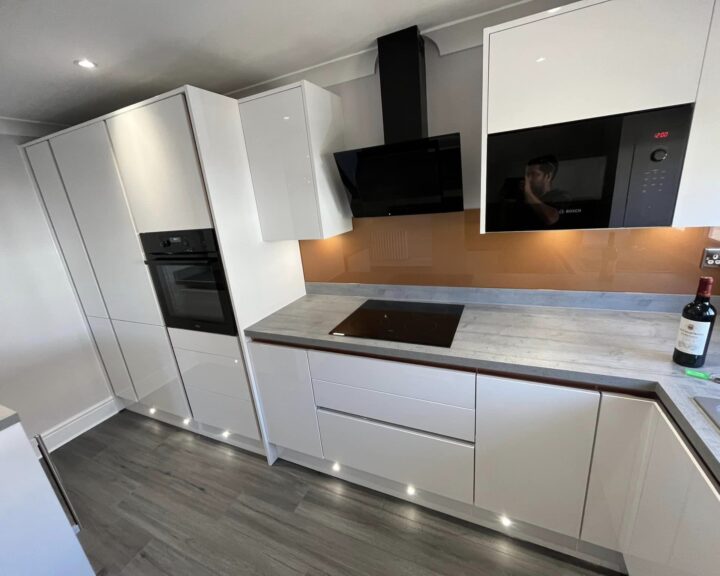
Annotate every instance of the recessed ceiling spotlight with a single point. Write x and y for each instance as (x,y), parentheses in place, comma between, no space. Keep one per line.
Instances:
(541,59)
(85,63)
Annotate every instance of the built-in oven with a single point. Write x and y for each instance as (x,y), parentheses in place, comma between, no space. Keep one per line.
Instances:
(608,172)
(189,280)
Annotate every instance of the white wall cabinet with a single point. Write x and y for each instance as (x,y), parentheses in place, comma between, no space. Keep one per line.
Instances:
(533,451)
(291,134)
(86,163)
(622,445)
(151,362)
(156,155)
(594,58)
(283,380)
(56,202)
(697,202)
(675,531)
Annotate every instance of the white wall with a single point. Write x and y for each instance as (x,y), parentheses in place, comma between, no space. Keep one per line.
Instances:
(454,101)
(49,370)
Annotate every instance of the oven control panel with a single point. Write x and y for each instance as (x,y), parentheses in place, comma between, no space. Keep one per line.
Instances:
(200,241)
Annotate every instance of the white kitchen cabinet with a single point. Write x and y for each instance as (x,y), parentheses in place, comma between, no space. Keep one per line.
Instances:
(151,362)
(155,150)
(594,58)
(286,397)
(87,166)
(57,204)
(697,202)
(622,445)
(36,538)
(112,358)
(214,375)
(533,450)
(291,134)
(426,462)
(675,531)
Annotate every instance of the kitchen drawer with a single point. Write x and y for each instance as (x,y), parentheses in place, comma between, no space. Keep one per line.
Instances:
(212,373)
(225,412)
(410,412)
(438,465)
(450,387)
(205,342)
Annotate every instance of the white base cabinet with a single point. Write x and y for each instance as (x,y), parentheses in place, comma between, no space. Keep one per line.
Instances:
(622,444)
(533,451)
(423,461)
(151,363)
(286,398)
(214,375)
(676,529)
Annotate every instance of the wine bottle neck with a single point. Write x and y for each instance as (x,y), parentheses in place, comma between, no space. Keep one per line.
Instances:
(700,298)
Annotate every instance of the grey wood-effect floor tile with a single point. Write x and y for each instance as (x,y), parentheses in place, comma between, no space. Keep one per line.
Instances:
(156,500)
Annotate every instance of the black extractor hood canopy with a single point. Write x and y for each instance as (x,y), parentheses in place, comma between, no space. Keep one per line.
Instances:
(410,173)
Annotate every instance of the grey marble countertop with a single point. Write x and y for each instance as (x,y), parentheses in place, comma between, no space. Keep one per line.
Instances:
(629,352)
(7,417)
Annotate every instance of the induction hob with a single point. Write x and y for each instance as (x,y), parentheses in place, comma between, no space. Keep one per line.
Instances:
(410,322)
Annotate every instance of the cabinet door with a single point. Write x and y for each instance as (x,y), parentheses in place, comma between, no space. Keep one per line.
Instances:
(675,532)
(85,159)
(112,358)
(622,445)
(278,148)
(282,376)
(597,60)
(152,367)
(697,203)
(532,452)
(218,391)
(66,229)
(155,150)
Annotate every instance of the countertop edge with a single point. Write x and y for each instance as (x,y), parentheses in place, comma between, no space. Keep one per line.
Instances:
(8,417)
(602,383)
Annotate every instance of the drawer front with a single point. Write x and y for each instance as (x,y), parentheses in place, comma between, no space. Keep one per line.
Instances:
(437,465)
(218,374)
(207,342)
(224,412)
(450,387)
(410,412)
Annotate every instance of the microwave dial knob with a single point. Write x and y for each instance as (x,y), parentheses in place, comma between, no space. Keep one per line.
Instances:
(659,155)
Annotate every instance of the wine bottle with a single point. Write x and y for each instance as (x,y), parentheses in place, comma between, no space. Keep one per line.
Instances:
(696,327)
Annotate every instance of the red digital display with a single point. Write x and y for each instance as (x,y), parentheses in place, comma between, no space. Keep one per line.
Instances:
(661,135)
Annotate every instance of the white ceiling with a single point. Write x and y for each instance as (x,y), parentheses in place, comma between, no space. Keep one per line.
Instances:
(145,47)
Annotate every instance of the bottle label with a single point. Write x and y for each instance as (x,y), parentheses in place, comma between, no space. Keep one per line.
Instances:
(692,336)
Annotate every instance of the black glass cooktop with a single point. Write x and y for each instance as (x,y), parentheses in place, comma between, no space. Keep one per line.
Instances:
(411,322)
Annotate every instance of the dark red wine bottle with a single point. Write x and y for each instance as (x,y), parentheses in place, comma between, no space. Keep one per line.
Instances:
(696,327)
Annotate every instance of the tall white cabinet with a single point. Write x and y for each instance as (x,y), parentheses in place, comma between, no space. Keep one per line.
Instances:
(291,134)
(156,156)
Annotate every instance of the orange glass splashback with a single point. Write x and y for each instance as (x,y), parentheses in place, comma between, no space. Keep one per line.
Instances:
(448,250)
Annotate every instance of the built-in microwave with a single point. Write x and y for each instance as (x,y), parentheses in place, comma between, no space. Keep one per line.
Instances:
(608,172)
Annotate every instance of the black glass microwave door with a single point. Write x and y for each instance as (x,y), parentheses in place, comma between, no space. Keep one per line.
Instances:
(553,178)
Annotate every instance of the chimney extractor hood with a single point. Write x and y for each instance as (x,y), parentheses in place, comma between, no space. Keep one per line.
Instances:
(410,173)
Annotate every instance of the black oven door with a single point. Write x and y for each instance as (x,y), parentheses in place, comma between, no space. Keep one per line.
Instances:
(193,293)
(555,177)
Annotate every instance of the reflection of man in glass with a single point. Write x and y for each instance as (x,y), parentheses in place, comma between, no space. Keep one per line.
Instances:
(539,191)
